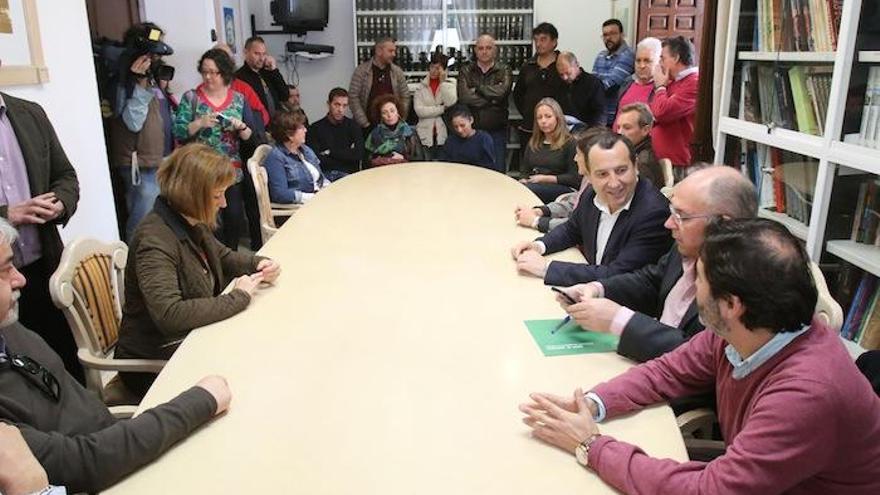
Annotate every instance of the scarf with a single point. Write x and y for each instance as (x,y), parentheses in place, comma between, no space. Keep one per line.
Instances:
(385,141)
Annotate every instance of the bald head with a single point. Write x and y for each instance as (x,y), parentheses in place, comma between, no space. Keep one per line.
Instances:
(485,50)
(724,191)
(568,67)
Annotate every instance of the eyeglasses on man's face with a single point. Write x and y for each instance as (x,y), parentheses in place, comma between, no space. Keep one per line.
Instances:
(680,218)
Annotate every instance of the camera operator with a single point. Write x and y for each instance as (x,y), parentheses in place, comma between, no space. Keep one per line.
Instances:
(140,131)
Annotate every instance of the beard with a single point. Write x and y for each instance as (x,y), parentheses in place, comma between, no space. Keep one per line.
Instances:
(710,317)
(12,314)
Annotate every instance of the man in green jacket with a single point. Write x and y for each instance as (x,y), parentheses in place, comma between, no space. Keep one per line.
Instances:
(71,433)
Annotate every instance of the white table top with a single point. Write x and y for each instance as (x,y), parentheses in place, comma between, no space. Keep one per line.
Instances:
(391,355)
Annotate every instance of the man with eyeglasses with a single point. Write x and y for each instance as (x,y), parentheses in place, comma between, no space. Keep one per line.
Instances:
(613,65)
(653,309)
(72,434)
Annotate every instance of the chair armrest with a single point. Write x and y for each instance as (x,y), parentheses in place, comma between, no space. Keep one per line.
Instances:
(108,364)
(694,420)
(122,412)
(283,210)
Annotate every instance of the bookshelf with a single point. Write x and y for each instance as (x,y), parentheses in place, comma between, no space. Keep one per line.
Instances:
(421,25)
(764,70)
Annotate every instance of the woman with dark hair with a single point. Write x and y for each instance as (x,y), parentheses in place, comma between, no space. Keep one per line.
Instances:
(392,140)
(466,144)
(435,95)
(294,170)
(214,114)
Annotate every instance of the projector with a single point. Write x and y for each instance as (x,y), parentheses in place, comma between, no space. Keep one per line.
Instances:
(299,46)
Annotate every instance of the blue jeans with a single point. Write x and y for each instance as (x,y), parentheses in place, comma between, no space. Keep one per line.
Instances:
(140,194)
(499,137)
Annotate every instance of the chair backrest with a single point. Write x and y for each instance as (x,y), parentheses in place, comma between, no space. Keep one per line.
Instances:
(261,188)
(826,307)
(666,167)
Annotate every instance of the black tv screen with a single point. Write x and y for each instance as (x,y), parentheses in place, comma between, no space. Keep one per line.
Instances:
(306,15)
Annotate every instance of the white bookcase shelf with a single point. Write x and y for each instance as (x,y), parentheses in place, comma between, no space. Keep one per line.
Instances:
(869,57)
(864,256)
(817,57)
(795,227)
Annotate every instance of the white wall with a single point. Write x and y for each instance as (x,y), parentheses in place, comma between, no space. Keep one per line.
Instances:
(70,98)
(187,25)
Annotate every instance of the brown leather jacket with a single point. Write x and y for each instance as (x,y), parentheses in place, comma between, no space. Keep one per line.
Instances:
(486,94)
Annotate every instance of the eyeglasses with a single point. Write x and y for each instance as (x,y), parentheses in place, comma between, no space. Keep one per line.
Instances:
(37,374)
(680,219)
(210,72)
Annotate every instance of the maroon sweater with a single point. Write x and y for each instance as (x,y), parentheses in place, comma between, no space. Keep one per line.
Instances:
(675,110)
(804,422)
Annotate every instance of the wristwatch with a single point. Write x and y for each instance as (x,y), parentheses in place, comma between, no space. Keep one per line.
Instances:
(582,452)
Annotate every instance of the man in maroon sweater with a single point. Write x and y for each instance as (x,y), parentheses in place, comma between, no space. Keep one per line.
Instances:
(796,414)
(676,83)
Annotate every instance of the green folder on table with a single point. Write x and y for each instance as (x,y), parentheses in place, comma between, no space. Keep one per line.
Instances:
(570,339)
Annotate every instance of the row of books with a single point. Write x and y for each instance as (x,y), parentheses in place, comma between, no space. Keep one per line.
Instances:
(438,4)
(869,130)
(866,218)
(785,181)
(413,58)
(793,97)
(862,321)
(424,27)
(797,25)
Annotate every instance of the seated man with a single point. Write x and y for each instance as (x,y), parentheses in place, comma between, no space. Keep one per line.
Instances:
(20,473)
(337,139)
(790,400)
(635,121)
(618,221)
(630,304)
(72,434)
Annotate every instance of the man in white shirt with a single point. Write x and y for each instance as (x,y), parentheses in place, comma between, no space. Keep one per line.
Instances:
(618,221)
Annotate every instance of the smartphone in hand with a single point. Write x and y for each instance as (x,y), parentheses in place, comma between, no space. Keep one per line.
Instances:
(564,294)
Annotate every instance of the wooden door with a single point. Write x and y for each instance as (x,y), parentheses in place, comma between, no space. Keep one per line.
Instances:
(664,18)
(111,18)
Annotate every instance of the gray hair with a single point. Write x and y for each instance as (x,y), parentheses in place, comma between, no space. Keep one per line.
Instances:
(652,44)
(646,118)
(568,58)
(8,233)
(382,40)
(732,195)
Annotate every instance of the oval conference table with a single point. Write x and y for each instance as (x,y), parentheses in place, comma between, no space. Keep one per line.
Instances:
(391,355)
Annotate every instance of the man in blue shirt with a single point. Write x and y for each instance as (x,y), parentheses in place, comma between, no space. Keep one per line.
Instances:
(614,65)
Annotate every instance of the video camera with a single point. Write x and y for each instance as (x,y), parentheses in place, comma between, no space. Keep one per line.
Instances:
(149,42)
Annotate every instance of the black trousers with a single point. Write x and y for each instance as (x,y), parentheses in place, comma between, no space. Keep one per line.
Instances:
(252,210)
(37,312)
(232,218)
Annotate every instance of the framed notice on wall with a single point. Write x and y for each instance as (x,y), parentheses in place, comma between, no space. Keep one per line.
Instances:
(21,51)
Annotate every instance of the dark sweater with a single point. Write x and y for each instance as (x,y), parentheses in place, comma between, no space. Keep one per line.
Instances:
(274,81)
(535,82)
(339,146)
(476,150)
(546,161)
(584,99)
(77,441)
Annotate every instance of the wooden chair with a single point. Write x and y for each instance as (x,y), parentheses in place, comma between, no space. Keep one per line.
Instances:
(668,178)
(697,425)
(88,288)
(268,210)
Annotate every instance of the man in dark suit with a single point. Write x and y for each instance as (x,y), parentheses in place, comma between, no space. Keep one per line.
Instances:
(618,221)
(39,192)
(261,73)
(654,309)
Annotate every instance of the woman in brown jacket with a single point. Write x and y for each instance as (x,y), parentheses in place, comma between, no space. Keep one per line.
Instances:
(176,268)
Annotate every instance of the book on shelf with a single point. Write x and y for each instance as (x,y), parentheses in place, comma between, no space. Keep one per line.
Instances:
(862,321)
(797,25)
(866,218)
(793,97)
(869,129)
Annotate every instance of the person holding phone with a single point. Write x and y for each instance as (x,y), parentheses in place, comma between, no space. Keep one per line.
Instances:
(177,270)
(215,115)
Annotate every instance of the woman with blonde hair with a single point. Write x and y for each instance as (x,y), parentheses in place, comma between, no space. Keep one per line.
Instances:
(548,168)
(177,269)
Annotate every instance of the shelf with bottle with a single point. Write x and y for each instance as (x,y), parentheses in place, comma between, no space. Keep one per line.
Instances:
(381,7)
(785,181)
(408,29)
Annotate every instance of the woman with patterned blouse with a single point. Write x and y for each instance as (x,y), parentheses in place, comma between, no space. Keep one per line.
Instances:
(215,115)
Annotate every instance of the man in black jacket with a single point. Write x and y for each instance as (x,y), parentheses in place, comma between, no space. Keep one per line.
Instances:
(71,433)
(583,97)
(261,73)
(40,192)
(337,139)
(618,221)
(484,86)
(537,79)
(653,309)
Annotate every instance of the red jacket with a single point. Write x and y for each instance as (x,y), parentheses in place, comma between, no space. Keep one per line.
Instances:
(674,110)
(251,98)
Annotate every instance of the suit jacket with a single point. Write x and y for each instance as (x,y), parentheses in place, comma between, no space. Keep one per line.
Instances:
(274,80)
(644,291)
(637,239)
(48,169)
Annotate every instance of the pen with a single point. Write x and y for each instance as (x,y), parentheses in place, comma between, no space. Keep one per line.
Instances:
(567,317)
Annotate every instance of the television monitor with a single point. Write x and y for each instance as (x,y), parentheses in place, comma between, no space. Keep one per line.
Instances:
(300,15)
